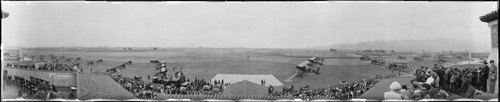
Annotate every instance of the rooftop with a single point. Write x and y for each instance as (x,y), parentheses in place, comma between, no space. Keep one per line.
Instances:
(490,16)
(93,86)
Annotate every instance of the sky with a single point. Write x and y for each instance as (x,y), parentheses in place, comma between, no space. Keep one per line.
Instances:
(252,25)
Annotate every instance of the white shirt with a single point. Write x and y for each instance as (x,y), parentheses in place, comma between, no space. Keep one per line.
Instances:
(392,95)
(429,80)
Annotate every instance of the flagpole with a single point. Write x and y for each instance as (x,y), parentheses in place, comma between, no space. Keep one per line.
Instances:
(470,59)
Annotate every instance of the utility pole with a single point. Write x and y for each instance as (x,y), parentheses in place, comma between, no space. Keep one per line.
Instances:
(248,57)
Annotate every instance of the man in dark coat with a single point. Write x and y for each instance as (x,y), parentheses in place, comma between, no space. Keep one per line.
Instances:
(466,81)
(72,95)
(271,89)
(455,81)
(483,78)
(442,76)
(44,93)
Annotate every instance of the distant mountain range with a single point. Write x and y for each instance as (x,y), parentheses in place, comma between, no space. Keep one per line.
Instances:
(413,45)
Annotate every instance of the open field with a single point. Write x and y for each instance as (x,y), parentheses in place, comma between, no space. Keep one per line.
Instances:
(204,63)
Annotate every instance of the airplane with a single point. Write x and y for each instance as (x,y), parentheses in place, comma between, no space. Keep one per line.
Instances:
(316,59)
(154,61)
(306,67)
(161,71)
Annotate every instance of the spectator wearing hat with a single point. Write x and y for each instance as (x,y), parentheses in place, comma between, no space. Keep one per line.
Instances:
(418,75)
(492,77)
(44,93)
(72,95)
(438,93)
(455,82)
(470,91)
(416,84)
(392,94)
(405,93)
(466,83)
(422,93)
(483,78)
(435,76)
(430,81)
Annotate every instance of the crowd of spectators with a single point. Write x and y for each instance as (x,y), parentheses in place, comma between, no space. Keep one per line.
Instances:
(54,64)
(150,89)
(343,90)
(45,66)
(440,82)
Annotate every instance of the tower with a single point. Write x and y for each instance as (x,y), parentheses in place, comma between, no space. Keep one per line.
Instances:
(492,20)
(20,54)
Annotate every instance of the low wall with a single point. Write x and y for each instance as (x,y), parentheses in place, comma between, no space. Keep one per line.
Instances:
(58,78)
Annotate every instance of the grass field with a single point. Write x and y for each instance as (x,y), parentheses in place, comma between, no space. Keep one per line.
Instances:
(206,63)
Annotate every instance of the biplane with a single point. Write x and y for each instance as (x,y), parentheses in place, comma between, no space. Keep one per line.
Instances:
(365,57)
(99,61)
(398,65)
(154,61)
(90,63)
(316,59)
(416,59)
(128,63)
(305,66)
(378,61)
(401,57)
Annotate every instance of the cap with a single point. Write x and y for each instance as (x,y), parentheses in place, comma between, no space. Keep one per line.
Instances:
(426,87)
(395,85)
(73,88)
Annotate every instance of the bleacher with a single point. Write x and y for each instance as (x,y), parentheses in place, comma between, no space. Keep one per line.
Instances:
(27,87)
